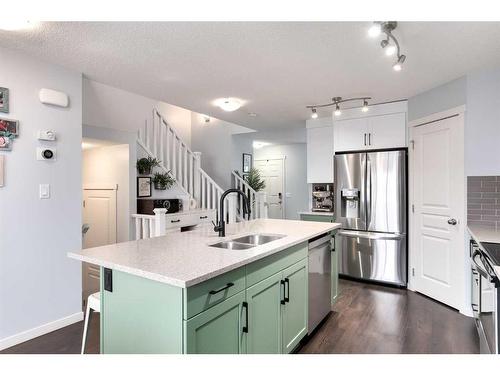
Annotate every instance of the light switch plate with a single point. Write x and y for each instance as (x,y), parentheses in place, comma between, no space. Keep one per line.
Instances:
(46,135)
(44,191)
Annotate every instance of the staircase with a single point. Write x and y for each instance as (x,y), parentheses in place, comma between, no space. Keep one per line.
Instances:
(159,140)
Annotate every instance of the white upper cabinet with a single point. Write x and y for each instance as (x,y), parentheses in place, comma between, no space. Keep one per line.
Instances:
(387,131)
(351,134)
(320,153)
(373,130)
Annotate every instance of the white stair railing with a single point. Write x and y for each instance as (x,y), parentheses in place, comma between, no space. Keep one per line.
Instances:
(160,141)
(145,226)
(258,199)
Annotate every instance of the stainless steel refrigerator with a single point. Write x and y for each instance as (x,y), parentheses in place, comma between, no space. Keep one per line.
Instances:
(371,205)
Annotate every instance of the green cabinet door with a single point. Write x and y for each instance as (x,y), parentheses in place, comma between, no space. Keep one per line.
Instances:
(335,268)
(294,311)
(264,316)
(217,330)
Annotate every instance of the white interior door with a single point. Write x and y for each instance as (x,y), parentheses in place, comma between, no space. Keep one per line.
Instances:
(438,220)
(99,213)
(272,172)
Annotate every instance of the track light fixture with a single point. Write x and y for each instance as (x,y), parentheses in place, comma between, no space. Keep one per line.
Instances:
(390,44)
(314,114)
(336,102)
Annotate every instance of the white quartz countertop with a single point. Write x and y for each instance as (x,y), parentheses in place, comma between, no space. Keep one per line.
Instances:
(485,234)
(318,213)
(184,259)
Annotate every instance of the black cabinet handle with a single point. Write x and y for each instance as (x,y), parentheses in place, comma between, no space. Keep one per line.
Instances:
(203,217)
(369,139)
(228,285)
(365,139)
(245,306)
(287,284)
(283,284)
(108,279)
(175,221)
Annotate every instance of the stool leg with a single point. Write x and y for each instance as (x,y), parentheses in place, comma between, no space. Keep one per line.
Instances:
(86,326)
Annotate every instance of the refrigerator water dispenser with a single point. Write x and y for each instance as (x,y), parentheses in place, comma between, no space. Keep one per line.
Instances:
(350,203)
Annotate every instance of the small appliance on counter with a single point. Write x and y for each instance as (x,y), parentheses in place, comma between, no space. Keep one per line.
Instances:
(322,197)
(146,206)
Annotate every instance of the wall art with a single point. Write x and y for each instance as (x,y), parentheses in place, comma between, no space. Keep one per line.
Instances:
(9,127)
(247,163)
(5,143)
(143,187)
(4,100)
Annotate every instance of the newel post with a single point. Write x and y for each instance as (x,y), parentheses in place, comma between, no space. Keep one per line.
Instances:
(160,221)
(197,177)
(231,208)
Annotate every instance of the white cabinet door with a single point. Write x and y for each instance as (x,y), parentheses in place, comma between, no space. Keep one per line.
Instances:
(351,134)
(320,155)
(387,131)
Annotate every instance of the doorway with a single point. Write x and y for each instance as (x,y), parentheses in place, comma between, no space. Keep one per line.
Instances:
(272,172)
(105,206)
(437,212)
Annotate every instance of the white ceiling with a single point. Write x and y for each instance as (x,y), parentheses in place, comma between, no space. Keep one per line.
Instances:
(276,68)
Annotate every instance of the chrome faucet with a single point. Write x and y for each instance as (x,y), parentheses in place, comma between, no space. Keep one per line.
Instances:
(221,227)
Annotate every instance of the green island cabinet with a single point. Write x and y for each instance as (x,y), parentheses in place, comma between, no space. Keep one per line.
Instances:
(335,248)
(258,308)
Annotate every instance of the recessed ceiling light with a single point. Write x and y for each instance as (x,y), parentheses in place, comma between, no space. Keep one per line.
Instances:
(252,114)
(12,25)
(228,104)
(259,144)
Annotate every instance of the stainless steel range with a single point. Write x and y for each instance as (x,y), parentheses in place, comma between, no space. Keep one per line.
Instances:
(370,203)
(485,294)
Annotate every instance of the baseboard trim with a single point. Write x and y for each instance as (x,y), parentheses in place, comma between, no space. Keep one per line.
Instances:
(40,330)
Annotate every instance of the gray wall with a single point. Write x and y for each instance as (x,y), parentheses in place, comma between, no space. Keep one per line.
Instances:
(39,284)
(482,124)
(297,194)
(438,99)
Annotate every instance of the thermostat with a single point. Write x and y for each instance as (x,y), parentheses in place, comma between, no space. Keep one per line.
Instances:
(47,135)
(45,153)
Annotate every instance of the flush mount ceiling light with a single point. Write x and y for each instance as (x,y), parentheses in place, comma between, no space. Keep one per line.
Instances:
(13,25)
(390,44)
(336,102)
(228,104)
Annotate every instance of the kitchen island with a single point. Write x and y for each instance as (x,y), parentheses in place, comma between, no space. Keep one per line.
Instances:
(179,294)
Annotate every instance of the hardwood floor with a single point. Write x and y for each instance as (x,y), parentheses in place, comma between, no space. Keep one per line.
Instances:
(370,318)
(367,319)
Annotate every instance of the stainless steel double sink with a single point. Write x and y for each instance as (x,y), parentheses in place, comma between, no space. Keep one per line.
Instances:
(248,241)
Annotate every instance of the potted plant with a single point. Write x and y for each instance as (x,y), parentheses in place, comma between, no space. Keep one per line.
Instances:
(146,165)
(163,181)
(254,179)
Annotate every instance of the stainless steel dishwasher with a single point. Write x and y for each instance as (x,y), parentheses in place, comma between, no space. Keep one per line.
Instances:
(320,279)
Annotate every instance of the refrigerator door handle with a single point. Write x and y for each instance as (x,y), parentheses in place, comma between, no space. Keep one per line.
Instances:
(368,192)
(371,235)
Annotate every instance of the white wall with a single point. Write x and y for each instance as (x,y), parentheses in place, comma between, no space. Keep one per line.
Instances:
(109,107)
(219,150)
(482,124)
(110,165)
(297,192)
(39,284)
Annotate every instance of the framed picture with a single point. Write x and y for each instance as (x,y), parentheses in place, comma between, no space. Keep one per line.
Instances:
(4,100)
(5,143)
(247,163)
(143,187)
(9,126)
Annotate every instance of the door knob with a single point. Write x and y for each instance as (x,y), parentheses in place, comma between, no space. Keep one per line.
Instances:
(452,222)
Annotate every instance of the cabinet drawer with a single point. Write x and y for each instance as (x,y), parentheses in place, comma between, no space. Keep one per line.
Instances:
(272,264)
(175,221)
(202,296)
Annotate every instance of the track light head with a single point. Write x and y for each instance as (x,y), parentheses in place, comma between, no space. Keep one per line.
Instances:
(399,64)
(384,43)
(365,106)
(314,114)
(337,112)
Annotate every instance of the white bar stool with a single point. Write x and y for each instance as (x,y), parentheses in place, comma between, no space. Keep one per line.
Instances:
(93,305)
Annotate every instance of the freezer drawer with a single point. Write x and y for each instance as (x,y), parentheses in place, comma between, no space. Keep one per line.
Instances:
(373,256)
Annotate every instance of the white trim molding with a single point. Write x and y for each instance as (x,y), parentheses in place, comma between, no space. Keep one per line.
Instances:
(437,116)
(32,333)
(100,186)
